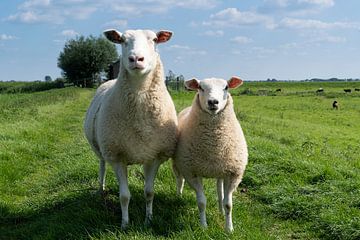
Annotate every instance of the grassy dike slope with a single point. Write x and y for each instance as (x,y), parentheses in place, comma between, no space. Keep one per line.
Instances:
(302,180)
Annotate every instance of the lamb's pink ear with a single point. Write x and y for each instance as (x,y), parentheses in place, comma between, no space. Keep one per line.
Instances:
(234,82)
(163,36)
(192,84)
(114,36)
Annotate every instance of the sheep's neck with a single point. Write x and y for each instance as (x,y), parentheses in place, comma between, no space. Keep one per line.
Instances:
(143,83)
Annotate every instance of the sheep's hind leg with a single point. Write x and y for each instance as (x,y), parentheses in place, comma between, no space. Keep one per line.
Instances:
(102,172)
(150,170)
(230,185)
(196,184)
(179,180)
(121,175)
(220,193)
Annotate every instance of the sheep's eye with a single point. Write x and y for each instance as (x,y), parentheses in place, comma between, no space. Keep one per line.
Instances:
(226,88)
(155,40)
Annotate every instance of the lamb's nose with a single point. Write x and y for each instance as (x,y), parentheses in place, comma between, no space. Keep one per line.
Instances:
(213,102)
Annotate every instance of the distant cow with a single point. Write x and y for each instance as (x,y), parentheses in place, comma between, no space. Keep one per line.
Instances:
(347,90)
(357,89)
(319,90)
(278,90)
(335,105)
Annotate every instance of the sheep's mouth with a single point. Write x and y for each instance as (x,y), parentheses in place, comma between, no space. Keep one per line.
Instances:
(213,108)
(138,68)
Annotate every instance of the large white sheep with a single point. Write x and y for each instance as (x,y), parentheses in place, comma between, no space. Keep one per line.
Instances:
(211,144)
(132,120)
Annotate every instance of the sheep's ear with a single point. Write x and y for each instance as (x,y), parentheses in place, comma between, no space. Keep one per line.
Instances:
(234,82)
(114,36)
(192,84)
(163,36)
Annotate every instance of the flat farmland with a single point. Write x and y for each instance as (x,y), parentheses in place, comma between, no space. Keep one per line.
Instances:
(302,180)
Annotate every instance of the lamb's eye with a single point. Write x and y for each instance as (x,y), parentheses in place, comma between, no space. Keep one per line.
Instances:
(155,40)
(226,88)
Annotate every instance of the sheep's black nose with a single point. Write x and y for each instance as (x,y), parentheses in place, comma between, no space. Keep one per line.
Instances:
(213,102)
(134,58)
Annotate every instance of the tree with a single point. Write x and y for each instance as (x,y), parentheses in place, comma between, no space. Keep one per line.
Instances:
(48,78)
(84,58)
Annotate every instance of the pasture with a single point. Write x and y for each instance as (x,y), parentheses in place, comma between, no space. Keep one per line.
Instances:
(302,180)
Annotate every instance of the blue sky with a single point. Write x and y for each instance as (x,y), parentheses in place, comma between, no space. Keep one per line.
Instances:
(257,39)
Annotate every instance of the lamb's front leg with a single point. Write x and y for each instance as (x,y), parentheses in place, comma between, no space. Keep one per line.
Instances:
(230,184)
(150,170)
(196,184)
(220,193)
(121,175)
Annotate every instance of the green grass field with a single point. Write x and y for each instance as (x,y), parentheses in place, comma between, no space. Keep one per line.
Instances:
(302,181)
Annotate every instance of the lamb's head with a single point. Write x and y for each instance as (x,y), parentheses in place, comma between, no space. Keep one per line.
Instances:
(213,92)
(139,55)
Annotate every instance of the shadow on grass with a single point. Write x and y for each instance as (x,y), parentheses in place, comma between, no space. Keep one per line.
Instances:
(88,214)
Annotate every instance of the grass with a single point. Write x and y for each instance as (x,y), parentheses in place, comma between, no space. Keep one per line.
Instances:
(302,181)
(29,87)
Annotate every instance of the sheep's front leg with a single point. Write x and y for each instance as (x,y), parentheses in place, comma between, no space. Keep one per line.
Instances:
(230,185)
(196,184)
(121,175)
(220,193)
(150,170)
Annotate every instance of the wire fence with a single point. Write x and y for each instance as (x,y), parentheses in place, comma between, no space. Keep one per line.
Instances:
(176,85)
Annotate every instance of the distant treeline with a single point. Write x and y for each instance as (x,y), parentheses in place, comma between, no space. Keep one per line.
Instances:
(29,87)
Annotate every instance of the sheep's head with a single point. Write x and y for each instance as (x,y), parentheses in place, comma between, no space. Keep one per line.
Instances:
(213,92)
(139,56)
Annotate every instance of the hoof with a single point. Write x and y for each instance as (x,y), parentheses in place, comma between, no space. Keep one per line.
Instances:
(229,229)
(148,221)
(124,226)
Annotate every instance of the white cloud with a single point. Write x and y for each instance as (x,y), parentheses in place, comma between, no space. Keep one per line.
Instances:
(7,37)
(241,40)
(35,3)
(133,8)
(69,33)
(211,33)
(295,7)
(24,17)
(328,39)
(51,11)
(255,52)
(320,3)
(233,17)
(296,23)
(176,46)
(183,49)
(119,23)
(195,4)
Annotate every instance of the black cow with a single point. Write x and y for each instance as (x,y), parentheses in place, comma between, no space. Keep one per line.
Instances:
(335,105)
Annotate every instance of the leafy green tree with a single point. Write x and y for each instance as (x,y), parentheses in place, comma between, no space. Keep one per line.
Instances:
(84,58)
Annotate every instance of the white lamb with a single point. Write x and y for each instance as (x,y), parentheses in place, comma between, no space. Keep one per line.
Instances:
(211,144)
(132,120)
